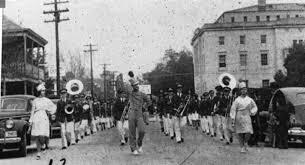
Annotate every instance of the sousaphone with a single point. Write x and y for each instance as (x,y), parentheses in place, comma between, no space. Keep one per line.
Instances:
(74,87)
(227,80)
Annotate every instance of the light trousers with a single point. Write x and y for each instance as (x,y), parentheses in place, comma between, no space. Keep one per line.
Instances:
(204,123)
(85,127)
(122,129)
(78,130)
(210,125)
(179,123)
(67,133)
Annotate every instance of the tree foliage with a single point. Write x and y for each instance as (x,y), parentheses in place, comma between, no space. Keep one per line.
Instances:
(175,67)
(294,65)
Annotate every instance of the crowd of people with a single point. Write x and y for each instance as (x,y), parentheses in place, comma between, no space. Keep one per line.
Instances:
(78,115)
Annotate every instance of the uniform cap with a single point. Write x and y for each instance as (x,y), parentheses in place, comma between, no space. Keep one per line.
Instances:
(41,87)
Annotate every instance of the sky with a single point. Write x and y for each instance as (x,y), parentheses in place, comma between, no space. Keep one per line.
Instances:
(129,34)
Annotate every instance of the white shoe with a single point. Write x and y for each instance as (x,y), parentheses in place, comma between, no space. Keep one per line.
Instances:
(140,150)
(135,152)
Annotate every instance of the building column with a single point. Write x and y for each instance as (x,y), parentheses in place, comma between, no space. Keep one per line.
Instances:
(25,61)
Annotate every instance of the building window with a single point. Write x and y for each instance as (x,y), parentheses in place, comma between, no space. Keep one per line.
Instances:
(268,18)
(242,39)
(264,59)
(243,59)
(257,18)
(297,16)
(295,42)
(265,83)
(232,19)
(245,19)
(278,17)
(221,40)
(222,61)
(263,39)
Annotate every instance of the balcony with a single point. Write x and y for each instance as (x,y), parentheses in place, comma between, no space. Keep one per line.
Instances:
(16,70)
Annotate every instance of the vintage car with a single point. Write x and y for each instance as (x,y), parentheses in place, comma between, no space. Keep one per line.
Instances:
(295,99)
(14,122)
(55,125)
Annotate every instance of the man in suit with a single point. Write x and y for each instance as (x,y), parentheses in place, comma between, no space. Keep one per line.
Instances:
(66,120)
(118,109)
(77,117)
(181,119)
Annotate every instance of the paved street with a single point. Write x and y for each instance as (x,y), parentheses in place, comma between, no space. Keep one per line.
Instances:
(104,148)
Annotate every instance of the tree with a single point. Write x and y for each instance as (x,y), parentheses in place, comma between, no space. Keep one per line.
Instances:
(294,64)
(175,67)
(280,78)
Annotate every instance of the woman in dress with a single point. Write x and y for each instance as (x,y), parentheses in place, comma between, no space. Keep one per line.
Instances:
(241,111)
(39,121)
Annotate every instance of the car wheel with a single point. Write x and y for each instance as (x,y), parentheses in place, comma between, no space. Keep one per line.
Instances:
(23,150)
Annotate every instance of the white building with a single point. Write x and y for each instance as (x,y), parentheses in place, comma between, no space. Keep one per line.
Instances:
(250,43)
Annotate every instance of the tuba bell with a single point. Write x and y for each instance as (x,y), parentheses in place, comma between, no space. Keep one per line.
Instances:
(69,109)
(227,80)
(74,87)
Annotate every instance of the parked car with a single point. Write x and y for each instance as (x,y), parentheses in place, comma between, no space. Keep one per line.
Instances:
(295,99)
(55,125)
(14,122)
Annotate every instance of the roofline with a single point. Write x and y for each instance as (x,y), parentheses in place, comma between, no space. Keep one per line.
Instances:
(28,31)
(204,29)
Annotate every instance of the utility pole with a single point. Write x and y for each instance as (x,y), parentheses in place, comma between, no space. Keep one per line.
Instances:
(105,87)
(56,19)
(91,50)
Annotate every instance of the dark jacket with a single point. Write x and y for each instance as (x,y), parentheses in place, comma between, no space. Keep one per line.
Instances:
(170,105)
(204,108)
(78,110)
(118,108)
(161,106)
(61,116)
(182,100)
(96,109)
(210,108)
(86,115)
(223,105)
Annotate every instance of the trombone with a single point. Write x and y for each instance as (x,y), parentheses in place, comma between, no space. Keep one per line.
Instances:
(125,111)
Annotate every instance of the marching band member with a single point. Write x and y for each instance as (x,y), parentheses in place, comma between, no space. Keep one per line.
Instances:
(96,114)
(39,121)
(77,118)
(203,112)
(194,106)
(242,108)
(223,114)
(210,113)
(180,120)
(216,118)
(135,116)
(121,121)
(66,120)
(167,111)
(161,107)
(170,106)
(86,117)
(189,116)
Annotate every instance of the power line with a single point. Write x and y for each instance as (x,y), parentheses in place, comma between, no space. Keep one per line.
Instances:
(91,50)
(56,12)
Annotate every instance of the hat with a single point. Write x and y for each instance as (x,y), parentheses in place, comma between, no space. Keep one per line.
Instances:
(242,85)
(82,95)
(76,96)
(205,94)
(62,91)
(211,91)
(226,89)
(179,86)
(218,88)
(41,87)
(170,90)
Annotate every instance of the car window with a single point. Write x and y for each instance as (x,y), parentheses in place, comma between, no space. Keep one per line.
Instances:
(300,98)
(13,104)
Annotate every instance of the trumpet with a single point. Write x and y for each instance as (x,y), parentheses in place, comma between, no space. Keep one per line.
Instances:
(86,106)
(178,112)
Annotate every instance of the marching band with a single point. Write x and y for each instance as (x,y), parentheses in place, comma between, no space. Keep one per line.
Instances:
(216,116)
